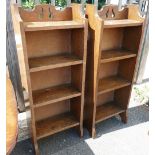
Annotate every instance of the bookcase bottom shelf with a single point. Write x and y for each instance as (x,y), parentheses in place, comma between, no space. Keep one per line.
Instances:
(55,124)
(107,110)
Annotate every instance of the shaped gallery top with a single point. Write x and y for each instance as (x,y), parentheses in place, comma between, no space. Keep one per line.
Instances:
(111,17)
(47,17)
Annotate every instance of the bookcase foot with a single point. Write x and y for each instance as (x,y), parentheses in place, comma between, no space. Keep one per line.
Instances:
(124,117)
(36,149)
(93,133)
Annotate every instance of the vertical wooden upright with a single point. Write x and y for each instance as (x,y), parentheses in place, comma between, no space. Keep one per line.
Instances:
(113,48)
(54,45)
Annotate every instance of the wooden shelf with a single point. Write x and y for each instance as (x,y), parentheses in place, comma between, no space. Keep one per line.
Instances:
(54,94)
(114,55)
(107,110)
(111,83)
(50,62)
(37,26)
(121,23)
(55,124)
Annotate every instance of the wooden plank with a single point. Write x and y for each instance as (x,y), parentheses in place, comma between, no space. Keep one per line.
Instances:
(50,62)
(114,55)
(121,23)
(37,26)
(55,124)
(54,94)
(107,110)
(111,83)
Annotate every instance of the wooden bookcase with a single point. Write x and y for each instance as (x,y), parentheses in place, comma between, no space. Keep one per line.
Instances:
(113,47)
(53,57)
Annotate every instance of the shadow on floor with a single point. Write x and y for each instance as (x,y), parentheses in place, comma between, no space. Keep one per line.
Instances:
(69,143)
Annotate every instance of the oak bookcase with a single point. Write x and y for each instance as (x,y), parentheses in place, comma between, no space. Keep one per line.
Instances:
(113,47)
(53,57)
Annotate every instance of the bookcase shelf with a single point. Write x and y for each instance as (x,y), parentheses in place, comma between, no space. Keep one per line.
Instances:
(38,26)
(115,55)
(113,47)
(53,63)
(54,94)
(55,124)
(107,110)
(121,23)
(111,83)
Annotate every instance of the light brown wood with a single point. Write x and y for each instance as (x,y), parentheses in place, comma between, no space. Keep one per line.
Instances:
(122,23)
(55,124)
(11,117)
(53,46)
(107,110)
(113,48)
(114,55)
(51,110)
(111,83)
(54,94)
(38,26)
(50,62)
(51,78)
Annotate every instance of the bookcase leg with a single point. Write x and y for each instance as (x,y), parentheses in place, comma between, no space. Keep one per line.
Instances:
(80,131)
(36,149)
(124,117)
(93,133)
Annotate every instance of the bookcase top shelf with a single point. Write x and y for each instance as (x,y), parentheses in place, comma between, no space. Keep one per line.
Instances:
(50,25)
(121,23)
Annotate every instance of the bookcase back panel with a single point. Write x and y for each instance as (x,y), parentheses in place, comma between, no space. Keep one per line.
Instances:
(108,69)
(127,68)
(45,13)
(76,76)
(45,43)
(122,96)
(112,38)
(52,110)
(104,98)
(131,39)
(49,78)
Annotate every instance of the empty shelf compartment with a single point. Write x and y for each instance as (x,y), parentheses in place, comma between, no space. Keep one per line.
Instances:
(50,62)
(114,55)
(107,110)
(54,94)
(55,124)
(111,83)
